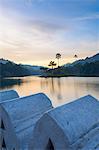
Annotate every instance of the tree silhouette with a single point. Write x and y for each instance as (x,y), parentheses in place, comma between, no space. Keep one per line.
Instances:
(58,56)
(75,56)
(52,64)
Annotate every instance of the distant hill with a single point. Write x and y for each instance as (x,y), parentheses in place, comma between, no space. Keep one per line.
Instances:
(83,67)
(92,59)
(11,69)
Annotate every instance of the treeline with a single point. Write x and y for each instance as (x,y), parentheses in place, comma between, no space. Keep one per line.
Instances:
(87,69)
(12,70)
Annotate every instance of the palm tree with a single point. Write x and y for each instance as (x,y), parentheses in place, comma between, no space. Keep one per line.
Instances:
(52,64)
(58,56)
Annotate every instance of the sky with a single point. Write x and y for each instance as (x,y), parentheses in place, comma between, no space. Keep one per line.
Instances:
(33,31)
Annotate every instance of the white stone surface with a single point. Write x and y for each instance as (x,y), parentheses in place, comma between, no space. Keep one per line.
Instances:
(7,132)
(8,95)
(66,124)
(89,141)
(24,113)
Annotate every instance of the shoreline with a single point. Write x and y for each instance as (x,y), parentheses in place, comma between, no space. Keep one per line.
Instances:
(48,76)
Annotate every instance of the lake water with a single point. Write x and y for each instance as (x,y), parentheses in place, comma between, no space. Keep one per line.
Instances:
(59,90)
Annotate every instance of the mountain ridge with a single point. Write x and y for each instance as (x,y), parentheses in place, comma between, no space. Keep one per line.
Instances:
(11,69)
(83,67)
(88,67)
(86,60)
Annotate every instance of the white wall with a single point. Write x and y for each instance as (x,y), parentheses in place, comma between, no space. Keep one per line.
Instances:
(7,132)
(66,124)
(24,112)
(8,95)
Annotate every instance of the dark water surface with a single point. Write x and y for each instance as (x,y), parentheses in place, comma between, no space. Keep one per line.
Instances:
(59,90)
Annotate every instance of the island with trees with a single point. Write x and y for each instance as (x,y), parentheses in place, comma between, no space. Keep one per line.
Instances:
(83,67)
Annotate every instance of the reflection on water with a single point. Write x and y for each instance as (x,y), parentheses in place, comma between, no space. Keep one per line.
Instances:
(59,90)
(8,83)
